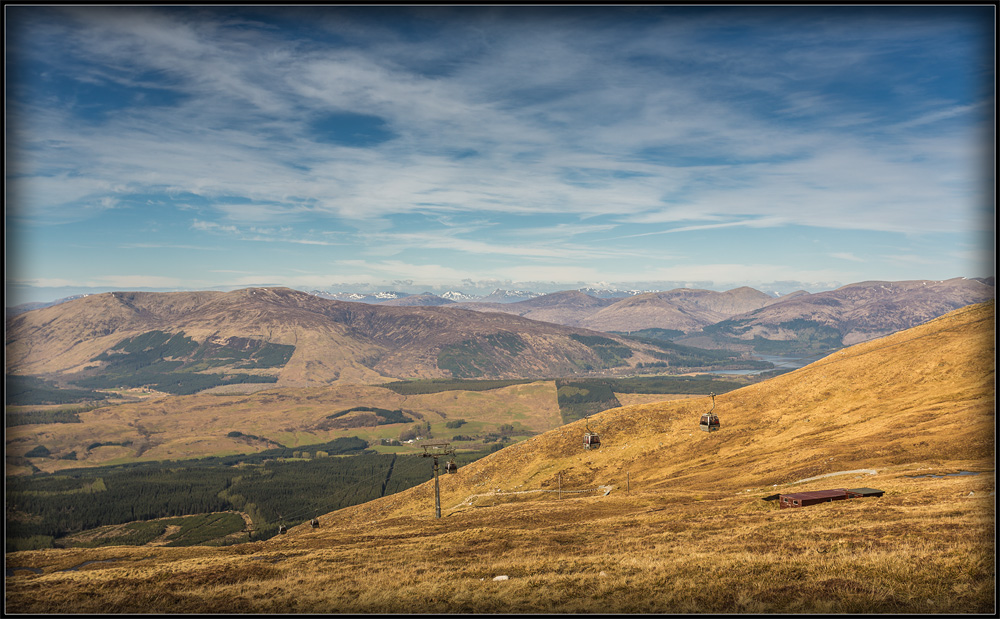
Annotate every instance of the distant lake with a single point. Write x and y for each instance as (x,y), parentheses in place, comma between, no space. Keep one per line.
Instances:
(780,363)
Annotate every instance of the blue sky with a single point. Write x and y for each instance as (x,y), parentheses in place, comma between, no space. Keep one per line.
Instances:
(474,148)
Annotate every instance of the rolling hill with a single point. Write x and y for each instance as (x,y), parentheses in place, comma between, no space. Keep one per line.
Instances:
(683,309)
(662,518)
(566,308)
(188,342)
(842,317)
(744,319)
(418,299)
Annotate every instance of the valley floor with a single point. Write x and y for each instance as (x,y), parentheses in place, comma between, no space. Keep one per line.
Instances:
(927,546)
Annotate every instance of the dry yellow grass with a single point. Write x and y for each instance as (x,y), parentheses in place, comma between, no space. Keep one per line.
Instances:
(631,399)
(197,425)
(682,530)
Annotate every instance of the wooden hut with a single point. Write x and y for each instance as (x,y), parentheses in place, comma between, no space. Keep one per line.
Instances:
(857,493)
(801,499)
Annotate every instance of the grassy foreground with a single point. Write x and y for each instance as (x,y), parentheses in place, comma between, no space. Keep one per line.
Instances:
(926,547)
(662,519)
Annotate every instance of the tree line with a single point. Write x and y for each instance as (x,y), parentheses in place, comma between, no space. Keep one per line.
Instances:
(43,508)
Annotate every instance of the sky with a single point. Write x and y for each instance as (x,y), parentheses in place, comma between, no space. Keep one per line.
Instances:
(472,148)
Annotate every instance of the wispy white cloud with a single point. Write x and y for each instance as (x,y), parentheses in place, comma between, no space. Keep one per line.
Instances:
(519,135)
(764,222)
(213,227)
(444,276)
(259,234)
(934,116)
(842,255)
(168,246)
(289,174)
(721,274)
(107,281)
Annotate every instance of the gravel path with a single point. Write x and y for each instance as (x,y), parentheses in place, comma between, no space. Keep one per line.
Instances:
(868,471)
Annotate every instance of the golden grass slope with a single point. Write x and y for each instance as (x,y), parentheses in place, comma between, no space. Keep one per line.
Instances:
(180,427)
(669,519)
(923,395)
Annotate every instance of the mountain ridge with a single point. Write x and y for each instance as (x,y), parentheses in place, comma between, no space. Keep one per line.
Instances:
(340,340)
(858,312)
(333,340)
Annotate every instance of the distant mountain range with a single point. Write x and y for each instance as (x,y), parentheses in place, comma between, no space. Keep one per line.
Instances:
(427,298)
(683,310)
(183,342)
(848,315)
(747,319)
(189,341)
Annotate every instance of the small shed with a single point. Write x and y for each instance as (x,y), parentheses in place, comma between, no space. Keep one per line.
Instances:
(801,499)
(856,493)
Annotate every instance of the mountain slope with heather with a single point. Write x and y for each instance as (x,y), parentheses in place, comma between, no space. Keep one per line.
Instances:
(293,338)
(925,394)
(641,525)
(845,316)
(747,319)
(683,309)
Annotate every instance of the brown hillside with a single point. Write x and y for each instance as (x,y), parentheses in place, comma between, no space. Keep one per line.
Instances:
(683,309)
(663,518)
(922,395)
(418,299)
(570,307)
(333,340)
(863,311)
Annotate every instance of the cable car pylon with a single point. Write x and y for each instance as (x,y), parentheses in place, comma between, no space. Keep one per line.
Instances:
(439,449)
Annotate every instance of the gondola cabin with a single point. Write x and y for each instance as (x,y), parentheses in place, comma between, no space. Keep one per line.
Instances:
(314,522)
(451,467)
(710,421)
(591,440)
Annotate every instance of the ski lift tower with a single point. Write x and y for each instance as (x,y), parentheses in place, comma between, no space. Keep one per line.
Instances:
(436,450)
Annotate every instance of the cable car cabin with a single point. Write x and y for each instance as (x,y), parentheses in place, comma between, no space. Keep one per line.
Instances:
(281,529)
(451,467)
(591,440)
(709,422)
(314,522)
